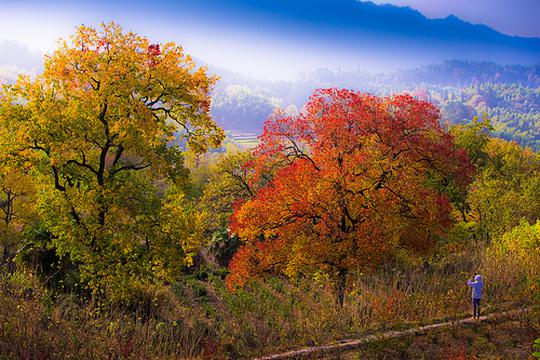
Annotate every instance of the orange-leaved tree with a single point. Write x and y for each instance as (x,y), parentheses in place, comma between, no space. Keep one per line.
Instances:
(355,178)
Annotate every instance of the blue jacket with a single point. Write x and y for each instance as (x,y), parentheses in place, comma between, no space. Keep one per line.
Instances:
(476,287)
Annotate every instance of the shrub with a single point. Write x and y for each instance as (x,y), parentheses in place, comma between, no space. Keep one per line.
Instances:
(521,240)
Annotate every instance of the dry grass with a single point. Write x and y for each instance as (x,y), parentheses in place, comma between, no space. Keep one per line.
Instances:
(32,327)
(198,318)
(493,339)
(275,315)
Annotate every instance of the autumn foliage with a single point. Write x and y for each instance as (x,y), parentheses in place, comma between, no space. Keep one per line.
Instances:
(354,179)
(103,132)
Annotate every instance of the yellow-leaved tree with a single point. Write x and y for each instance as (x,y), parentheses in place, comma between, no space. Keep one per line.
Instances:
(104,128)
(17,210)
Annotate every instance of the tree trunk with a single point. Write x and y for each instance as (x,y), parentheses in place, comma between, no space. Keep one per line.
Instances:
(340,287)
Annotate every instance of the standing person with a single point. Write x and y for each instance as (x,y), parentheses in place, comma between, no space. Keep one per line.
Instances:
(476,286)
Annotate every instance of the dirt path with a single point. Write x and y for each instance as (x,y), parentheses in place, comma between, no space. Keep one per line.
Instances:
(351,344)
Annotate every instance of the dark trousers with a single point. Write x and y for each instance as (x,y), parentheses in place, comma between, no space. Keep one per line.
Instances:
(476,307)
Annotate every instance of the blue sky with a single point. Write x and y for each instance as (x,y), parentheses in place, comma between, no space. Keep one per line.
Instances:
(512,17)
(276,38)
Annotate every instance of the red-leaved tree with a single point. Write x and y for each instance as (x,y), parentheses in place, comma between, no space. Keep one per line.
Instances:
(353,179)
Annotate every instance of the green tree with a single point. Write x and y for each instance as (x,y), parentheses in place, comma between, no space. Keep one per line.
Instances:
(473,138)
(230,181)
(521,240)
(506,189)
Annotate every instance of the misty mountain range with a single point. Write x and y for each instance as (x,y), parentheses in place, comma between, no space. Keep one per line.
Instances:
(243,103)
(482,81)
(354,34)
(350,34)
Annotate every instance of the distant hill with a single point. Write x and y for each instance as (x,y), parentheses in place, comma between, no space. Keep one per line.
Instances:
(509,94)
(464,73)
(15,59)
(352,34)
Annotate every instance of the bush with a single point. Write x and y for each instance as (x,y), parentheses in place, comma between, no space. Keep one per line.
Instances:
(148,300)
(521,240)
(32,327)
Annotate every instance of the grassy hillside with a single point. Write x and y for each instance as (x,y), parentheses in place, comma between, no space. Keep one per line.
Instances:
(198,318)
(492,339)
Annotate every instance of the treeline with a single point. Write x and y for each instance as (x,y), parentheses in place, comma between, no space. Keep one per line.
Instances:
(508,94)
(514,109)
